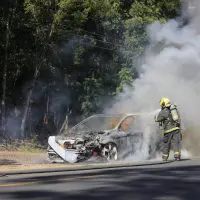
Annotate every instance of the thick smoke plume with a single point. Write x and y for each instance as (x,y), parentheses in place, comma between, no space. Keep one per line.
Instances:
(172,69)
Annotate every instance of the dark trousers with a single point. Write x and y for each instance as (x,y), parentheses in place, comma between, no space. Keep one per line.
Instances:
(171,139)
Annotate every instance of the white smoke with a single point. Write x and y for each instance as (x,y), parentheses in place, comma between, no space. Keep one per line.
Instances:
(171,69)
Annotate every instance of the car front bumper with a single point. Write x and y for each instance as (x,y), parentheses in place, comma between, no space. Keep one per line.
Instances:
(67,155)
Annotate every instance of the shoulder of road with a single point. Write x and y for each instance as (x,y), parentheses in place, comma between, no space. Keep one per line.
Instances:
(51,168)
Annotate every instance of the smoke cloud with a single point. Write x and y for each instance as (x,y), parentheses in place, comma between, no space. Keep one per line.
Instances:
(171,69)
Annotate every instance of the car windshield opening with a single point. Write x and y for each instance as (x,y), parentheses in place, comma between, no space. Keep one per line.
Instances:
(97,123)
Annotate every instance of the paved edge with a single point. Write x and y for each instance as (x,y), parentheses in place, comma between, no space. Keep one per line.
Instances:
(86,167)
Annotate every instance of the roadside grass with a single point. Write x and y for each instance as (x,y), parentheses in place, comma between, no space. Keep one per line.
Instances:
(29,146)
(31,149)
(24,148)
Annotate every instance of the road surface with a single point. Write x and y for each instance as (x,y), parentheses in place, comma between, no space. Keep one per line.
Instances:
(170,181)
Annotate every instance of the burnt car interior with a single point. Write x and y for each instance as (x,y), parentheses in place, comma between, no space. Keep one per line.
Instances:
(130,124)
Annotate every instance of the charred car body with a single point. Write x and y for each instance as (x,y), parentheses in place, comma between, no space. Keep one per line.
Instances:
(111,137)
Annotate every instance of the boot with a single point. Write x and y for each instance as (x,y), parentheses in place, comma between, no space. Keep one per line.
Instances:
(165,157)
(177,156)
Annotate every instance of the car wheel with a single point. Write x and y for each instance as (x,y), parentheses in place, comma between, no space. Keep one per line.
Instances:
(110,151)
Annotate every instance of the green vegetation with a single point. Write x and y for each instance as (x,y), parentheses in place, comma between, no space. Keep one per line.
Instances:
(69,57)
(31,149)
(30,146)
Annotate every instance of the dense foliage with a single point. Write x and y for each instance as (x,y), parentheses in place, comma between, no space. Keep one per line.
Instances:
(69,57)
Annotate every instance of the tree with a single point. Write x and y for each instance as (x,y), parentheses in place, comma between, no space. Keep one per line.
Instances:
(67,57)
(141,14)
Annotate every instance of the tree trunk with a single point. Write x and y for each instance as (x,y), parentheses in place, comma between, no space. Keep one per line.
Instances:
(4,79)
(47,40)
(23,124)
(10,15)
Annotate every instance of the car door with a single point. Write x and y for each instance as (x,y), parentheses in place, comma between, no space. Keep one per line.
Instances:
(131,134)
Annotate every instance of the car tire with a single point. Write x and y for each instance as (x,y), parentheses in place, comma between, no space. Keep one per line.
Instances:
(110,151)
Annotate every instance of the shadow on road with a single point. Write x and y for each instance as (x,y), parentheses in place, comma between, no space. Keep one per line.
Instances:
(136,184)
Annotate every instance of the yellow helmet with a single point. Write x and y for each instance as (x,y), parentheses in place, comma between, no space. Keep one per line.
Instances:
(164,102)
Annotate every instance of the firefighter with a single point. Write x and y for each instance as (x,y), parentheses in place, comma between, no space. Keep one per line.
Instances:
(169,120)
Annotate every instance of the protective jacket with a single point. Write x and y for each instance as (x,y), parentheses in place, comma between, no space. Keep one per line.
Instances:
(166,120)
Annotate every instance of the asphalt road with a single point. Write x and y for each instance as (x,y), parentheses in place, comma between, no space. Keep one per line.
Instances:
(178,180)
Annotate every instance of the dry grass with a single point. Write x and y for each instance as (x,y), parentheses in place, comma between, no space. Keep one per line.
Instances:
(31,145)
(23,155)
(12,160)
(18,157)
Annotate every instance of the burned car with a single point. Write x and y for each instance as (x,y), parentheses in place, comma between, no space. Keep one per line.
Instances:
(112,137)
